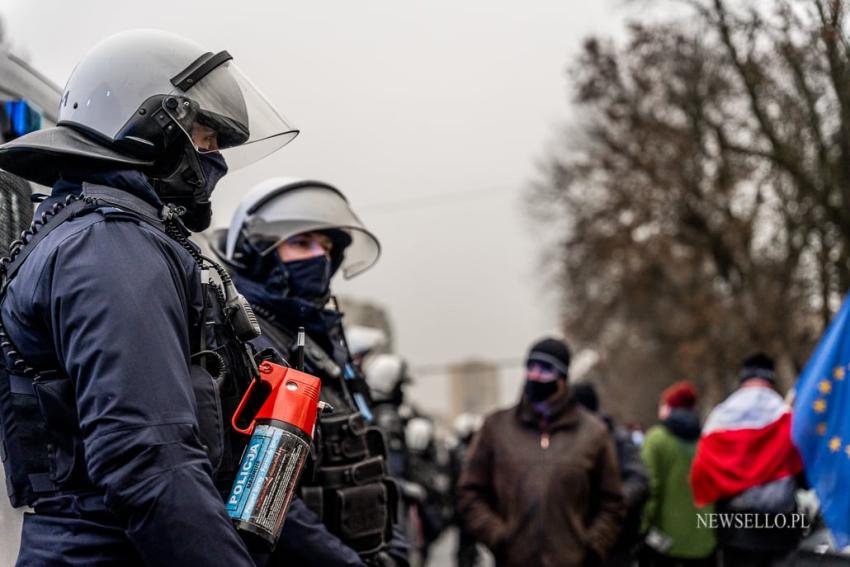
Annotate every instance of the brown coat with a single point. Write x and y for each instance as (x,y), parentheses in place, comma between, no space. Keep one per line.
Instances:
(539,494)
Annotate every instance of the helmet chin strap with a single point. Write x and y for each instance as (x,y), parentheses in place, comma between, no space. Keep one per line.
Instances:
(185,184)
(190,185)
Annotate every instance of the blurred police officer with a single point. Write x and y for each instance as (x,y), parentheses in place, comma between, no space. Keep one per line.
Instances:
(465,426)
(386,375)
(285,242)
(422,470)
(118,360)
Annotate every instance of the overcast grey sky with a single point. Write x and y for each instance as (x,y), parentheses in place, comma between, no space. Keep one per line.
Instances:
(397,102)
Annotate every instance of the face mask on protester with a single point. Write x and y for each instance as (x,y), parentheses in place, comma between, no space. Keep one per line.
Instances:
(541,380)
(540,391)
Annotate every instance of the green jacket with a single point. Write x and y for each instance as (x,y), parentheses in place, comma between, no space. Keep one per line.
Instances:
(670,508)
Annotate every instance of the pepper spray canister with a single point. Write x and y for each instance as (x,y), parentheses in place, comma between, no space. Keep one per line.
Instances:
(281,433)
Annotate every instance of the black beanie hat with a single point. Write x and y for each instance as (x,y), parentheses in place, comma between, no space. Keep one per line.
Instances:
(758,365)
(552,351)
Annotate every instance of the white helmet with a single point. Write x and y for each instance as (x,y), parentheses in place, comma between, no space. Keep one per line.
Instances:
(466,424)
(132,101)
(282,207)
(419,434)
(384,374)
(363,340)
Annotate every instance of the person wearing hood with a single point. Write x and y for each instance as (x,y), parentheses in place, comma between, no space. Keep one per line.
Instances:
(674,535)
(113,426)
(285,242)
(541,484)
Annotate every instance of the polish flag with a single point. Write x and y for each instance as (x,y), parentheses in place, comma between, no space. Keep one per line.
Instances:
(745,442)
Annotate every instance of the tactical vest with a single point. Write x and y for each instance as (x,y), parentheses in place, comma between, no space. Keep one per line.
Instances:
(346,484)
(41,444)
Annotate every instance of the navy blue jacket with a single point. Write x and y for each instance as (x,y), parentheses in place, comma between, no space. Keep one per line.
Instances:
(109,301)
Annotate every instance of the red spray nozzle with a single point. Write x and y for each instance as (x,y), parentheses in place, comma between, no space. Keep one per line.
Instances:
(294,398)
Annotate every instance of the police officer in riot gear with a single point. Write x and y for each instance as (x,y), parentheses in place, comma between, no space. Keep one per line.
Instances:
(285,242)
(413,450)
(386,375)
(123,351)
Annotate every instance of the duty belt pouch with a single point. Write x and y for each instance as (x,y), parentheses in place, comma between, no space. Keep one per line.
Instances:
(40,435)
(344,437)
(210,421)
(22,431)
(376,442)
(362,513)
(356,505)
(394,498)
(57,405)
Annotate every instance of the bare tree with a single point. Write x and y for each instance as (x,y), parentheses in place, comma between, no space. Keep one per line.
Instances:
(705,194)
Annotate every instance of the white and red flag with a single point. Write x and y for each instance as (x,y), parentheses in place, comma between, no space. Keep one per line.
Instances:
(746,442)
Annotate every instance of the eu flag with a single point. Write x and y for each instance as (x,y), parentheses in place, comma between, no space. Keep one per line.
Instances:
(821,424)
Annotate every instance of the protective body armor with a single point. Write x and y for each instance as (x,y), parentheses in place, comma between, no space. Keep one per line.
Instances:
(347,483)
(42,443)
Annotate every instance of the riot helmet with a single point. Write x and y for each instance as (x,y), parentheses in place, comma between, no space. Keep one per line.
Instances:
(139,99)
(466,425)
(386,375)
(419,434)
(280,208)
(364,341)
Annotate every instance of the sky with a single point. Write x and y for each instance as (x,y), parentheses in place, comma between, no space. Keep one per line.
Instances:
(432,117)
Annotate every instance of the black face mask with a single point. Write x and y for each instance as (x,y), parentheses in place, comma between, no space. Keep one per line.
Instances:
(309,279)
(540,391)
(191,185)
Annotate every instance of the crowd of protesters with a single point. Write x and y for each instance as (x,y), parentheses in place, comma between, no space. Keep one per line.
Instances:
(554,481)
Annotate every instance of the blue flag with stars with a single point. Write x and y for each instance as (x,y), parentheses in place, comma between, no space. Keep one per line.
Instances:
(821,424)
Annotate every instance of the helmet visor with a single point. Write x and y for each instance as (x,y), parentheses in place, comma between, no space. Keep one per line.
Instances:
(312,209)
(224,111)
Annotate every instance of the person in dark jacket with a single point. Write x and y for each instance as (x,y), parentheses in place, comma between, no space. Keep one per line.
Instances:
(111,423)
(541,484)
(632,473)
(285,242)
